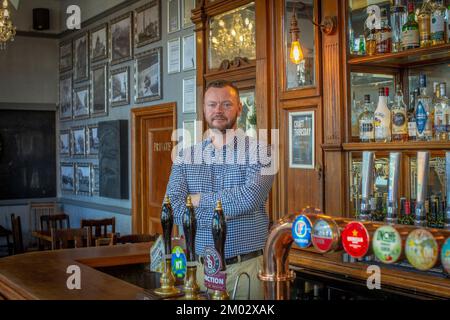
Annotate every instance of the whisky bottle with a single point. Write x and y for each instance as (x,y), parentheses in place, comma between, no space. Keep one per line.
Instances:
(441,114)
(398,19)
(399,120)
(424,126)
(382,118)
(437,27)
(366,122)
(410,30)
(424,19)
(384,36)
(412,126)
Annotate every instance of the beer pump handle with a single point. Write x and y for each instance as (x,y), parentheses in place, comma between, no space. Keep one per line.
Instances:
(394,174)
(219,231)
(423,167)
(367,184)
(189,229)
(167,224)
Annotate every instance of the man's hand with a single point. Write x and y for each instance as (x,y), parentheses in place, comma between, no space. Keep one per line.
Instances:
(195,198)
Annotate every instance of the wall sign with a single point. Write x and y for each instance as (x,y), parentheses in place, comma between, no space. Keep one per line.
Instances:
(301,140)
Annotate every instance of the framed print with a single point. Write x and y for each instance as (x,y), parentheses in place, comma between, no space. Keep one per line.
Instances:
(79,141)
(173,15)
(83,178)
(121,35)
(99,43)
(301,140)
(93,141)
(81,102)
(189,133)
(81,58)
(67,177)
(120,87)
(64,143)
(148,76)
(148,23)
(95,180)
(173,56)
(65,56)
(188,6)
(189,52)
(65,97)
(189,100)
(100,93)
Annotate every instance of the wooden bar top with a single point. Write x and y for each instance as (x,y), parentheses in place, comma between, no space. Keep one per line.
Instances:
(42,274)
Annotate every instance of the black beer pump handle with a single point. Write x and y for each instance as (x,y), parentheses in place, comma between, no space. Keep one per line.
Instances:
(189,229)
(167,224)
(219,231)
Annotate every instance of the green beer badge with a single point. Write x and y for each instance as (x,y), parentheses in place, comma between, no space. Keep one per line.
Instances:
(387,244)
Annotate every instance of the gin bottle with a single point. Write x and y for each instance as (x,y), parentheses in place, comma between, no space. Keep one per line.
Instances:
(424,126)
(437,27)
(424,19)
(399,118)
(441,114)
(366,122)
(398,19)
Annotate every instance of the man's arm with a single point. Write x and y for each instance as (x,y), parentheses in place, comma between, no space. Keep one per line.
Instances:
(177,191)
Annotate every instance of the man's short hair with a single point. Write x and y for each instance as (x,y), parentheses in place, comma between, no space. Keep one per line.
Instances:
(222,84)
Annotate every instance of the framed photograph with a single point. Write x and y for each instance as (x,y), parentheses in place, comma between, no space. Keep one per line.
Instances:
(64,143)
(121,35)
(189,52)
(99,103)
(189,133)
(93,141)
(148,75)
(81,57)
(81,102)
(301,140)
(173,15)
(188,6)
(65,97)
(99,43)
(173,56)
(83,178)
(65,56)
(120,87)
(148,23)
(95,180)
(67,177)
(79,141)
(189,100)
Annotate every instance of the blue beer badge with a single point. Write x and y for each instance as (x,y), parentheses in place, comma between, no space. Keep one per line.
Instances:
(301,231)
(178,262)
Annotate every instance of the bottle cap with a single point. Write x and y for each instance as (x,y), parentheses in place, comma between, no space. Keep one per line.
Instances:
(219,205)
(386,92)
(423,80)
(381,92)
(166,199)
(188,201)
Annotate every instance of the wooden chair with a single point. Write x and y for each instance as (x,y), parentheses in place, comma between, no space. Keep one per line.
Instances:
(136,238)
(70,238)
(56,221)
(5,233)
(98,229)
(16,228)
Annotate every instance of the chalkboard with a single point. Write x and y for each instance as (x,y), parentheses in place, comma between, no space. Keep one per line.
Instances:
(27,154)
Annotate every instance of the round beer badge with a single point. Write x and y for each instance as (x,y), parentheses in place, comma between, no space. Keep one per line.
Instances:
(421,249)
(301,231)
(213,262)
(322,236)
(355,239)
(178,262)
(445,256)
(387,244)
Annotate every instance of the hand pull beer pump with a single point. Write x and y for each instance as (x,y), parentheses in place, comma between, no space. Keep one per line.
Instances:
(394,174)
(423,167)
(367,185)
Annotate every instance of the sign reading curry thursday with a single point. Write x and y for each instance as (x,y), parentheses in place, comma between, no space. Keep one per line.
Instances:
(301,139)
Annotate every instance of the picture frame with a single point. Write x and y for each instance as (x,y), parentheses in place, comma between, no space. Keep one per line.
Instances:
(148,23)
(99,43)
(81,57)
(120,87)
(187,7)
(191,127)
(148,75)
(173,56)
(100,90)
(189,95)
(65,56)
(81,102)
(189,52)
(64,143)
(173,16)
(95,180)
(121,38)
(93,141)
(301,140)
(65,97)
(67,172)
(83,179)
(78,141)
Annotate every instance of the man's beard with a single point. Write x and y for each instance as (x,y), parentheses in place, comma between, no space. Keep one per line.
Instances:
(229,125)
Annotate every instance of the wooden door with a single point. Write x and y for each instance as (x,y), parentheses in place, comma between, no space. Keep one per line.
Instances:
(152,129)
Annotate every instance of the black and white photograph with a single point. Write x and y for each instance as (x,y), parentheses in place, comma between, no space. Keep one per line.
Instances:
(79,141)
(81,102)
(122,38)
(81,57)
(93,141)
(64,143)
(65,56)
(173,56)
(301,140)
(65,97)
(99,43)
(188,6)
(99,92)
(95,180)
(83,178)
(148,75)
(120,87)
(148,23)
(189,105)
(67,177)
(173,15)
(189,52)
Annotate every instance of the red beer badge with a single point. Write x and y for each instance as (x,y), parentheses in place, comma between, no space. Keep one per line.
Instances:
(322,236)
(355,239)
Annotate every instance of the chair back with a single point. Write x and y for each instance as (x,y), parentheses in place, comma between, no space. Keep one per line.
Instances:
(99,228)
(70,238)
(16,229)
(56,221)
(136,238)
(38,209)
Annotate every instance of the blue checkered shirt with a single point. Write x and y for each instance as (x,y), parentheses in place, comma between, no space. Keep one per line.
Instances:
(240,185)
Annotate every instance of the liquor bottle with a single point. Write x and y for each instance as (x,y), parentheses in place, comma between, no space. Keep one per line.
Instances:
(399,120)
(366,122)
(382,118)
(383,36)
(424,19)
(409,218)
(398,19)
(410,30)
(424,126)
(412,126)
(437,27)
(441,114)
